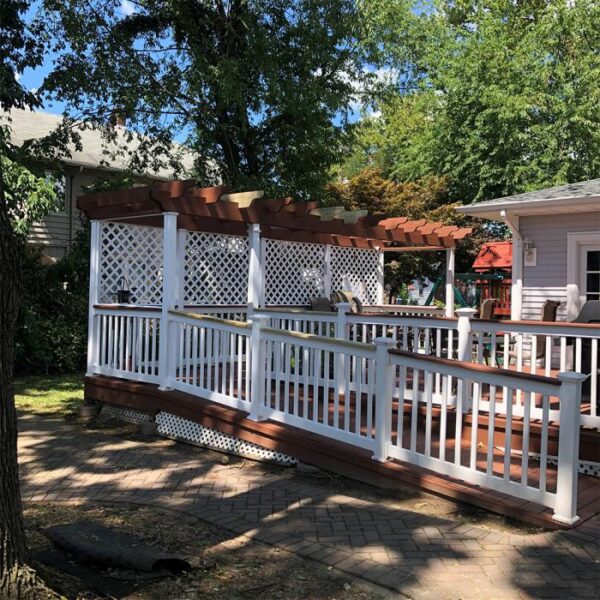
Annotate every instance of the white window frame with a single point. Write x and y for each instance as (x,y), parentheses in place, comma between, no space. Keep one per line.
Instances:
(575,285)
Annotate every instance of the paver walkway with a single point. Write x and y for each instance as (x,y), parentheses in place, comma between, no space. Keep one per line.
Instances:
(418,555)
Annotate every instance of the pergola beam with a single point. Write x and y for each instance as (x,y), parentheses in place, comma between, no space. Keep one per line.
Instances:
(216,210)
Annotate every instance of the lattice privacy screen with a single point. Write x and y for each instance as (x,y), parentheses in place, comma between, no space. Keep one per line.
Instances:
(135,252)
(294,272)
(358,267)
(216,269)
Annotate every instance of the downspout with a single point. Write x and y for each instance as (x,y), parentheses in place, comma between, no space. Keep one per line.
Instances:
(516,298)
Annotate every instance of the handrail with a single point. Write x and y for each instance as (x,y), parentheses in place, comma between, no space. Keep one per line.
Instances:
(318,339)
(476,370)
(295,311)
(127,307)
(209,319)
(537,327)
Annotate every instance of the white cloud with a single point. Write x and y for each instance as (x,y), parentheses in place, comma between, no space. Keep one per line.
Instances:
(127,8)
(17,76)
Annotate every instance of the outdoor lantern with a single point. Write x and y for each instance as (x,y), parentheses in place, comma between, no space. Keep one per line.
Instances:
(123,294)
(529,253)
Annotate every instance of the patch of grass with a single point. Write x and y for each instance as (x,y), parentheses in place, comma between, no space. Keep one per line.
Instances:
(59,395)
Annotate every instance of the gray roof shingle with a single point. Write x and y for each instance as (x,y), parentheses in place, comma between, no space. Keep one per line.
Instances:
(581,189)
(26,125)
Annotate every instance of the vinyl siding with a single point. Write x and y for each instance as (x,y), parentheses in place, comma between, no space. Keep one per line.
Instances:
(548,279)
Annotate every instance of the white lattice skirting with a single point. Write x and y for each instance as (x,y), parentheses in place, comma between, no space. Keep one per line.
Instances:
(130,415)
(178,428)
(586,467)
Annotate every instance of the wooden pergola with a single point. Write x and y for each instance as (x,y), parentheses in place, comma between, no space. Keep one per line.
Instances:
(182,206)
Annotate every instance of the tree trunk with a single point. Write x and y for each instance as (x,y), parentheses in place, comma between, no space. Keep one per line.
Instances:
(16,579)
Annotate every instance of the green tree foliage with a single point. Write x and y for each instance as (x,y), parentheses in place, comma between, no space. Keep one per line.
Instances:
(499,96)
(52,326)
(427,198)
(253,86)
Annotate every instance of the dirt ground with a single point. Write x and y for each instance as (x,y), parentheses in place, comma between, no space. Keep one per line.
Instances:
(223,567)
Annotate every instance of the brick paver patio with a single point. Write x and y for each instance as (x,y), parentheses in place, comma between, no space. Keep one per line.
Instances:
(419,556)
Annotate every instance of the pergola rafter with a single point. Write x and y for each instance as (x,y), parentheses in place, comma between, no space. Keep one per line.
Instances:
(215,209)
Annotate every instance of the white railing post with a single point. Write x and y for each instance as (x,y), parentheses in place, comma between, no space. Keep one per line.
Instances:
(384,390)
(94,297)
(170,289)
(341,333)
(450,262)
(257,369)
(565,507)
(465,353)
(465,336)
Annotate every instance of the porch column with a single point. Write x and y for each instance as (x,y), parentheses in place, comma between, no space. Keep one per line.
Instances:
(516,291)
(255,266)
(170,293)
(380,276)
(94,296)
(450,261)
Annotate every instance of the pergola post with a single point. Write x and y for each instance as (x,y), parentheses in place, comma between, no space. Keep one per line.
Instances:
(181,244)
(450,266)
(94,296)
(380,276)
(327,272)
(170,293)
(255,266)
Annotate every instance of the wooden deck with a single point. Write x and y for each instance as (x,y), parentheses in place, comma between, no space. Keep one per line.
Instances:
(357,463)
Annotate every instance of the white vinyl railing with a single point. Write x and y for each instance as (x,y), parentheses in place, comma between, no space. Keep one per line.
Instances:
(542,348)
(209,357)
(507,455)
(128,343)
(371,395)
(319,384)
(510,344)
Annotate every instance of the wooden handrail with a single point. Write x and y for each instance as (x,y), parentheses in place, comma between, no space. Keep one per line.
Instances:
(477,367)
(209,319)
(311,337)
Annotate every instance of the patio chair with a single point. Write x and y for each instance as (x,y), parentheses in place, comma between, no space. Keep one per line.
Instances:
(321,304)
(343,296)
(548,315)
(486,312)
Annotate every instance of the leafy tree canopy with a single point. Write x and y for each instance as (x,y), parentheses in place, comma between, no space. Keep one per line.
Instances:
(259,89)
(499,96)
(427,198)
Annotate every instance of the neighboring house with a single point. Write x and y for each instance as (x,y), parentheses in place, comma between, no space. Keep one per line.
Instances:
(556,246)
(57,231)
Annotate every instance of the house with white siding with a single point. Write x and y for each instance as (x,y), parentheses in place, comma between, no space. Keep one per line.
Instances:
(96,159)
(556,246)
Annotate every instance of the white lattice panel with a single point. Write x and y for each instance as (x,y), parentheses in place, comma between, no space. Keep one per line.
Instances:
(179,428)
(130,415)
(133,252)
(216,269)
(294,272)
(355,267)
